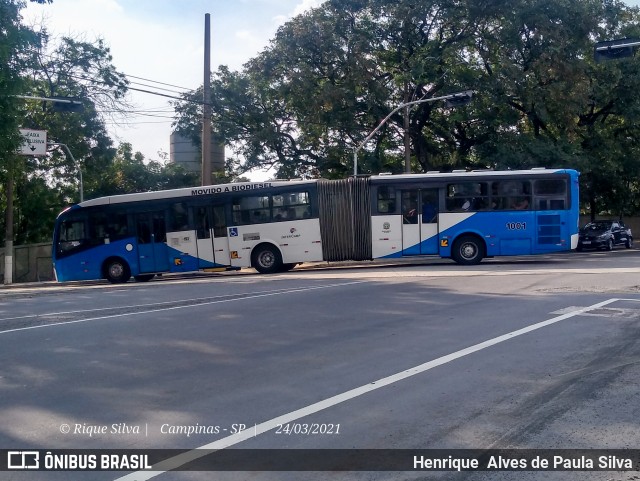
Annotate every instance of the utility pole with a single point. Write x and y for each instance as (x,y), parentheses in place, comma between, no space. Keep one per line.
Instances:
(407,138)
(206,108)
(8,232)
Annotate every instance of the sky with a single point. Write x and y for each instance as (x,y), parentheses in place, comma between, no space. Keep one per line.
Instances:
(163,41)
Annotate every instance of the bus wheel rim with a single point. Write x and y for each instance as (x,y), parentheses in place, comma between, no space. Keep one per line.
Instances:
(468,250)
(266,259)
(115,270)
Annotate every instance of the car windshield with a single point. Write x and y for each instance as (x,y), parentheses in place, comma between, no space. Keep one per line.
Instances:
(596,227)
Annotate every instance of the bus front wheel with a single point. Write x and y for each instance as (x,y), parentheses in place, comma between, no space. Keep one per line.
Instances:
(468,250)
(117,271)
(266,259)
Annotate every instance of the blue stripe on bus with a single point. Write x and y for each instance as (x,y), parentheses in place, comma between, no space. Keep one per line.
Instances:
(85,266)
(510,233)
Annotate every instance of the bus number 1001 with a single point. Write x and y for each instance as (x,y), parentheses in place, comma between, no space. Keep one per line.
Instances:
(516,225)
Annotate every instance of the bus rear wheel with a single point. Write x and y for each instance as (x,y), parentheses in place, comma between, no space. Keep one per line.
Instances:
(117,271)
(266,259)
(468,250)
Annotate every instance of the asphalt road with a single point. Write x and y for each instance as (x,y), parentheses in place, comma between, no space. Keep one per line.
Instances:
(539,352)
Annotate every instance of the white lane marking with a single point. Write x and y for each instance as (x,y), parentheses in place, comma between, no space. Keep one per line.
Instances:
(181,459)
(150,311)
(193,301)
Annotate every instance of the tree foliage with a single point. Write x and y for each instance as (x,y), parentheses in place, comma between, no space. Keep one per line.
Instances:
(33,63)
(330,75)
(15,39)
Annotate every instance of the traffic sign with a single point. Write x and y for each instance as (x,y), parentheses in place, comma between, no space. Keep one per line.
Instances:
(34,143)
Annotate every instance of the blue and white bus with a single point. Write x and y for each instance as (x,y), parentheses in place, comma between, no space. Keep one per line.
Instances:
(273,226)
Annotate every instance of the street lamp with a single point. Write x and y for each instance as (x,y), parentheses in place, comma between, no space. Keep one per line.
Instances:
(57,144)
(613,49)
(457,99)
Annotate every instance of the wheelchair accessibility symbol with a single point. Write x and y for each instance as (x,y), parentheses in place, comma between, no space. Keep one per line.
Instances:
(233,232)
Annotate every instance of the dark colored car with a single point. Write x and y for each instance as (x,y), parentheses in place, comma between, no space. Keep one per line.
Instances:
(604,234)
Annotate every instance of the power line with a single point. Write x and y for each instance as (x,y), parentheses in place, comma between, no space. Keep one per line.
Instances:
(165,95)
(157,82)
(51,57)
(139,123)
(158,88)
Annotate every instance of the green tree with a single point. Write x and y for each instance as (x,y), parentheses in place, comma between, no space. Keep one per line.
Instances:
(68,68)
(330,75)
(83,70)
(129,173)
(15,40)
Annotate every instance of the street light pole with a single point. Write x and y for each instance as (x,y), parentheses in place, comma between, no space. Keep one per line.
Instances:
(614,49)
(461,96)
(64,146)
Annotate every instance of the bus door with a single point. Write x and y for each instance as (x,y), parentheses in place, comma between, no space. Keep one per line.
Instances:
(152,237)
(213,243)
(420,221)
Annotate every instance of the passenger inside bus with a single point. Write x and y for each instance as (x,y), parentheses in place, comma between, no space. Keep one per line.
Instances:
(284,214)
(429,213)
(410,215)
(521,203)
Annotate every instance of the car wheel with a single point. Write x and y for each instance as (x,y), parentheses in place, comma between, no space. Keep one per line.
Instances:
(579,248)
(610,245)
(468,250)
(266,259)
(117,271)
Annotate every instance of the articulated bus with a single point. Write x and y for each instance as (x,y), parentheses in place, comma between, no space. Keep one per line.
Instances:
(273,226)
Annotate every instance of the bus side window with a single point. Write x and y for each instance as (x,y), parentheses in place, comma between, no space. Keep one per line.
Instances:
(296,204)
(386,200)
(144,231)
(117,226)
(551,194)
(467,196)
(72,235)
(107,227)
(511,195)
(179,220)
(251,210)
(202,223)
(219,221)
(98,229)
